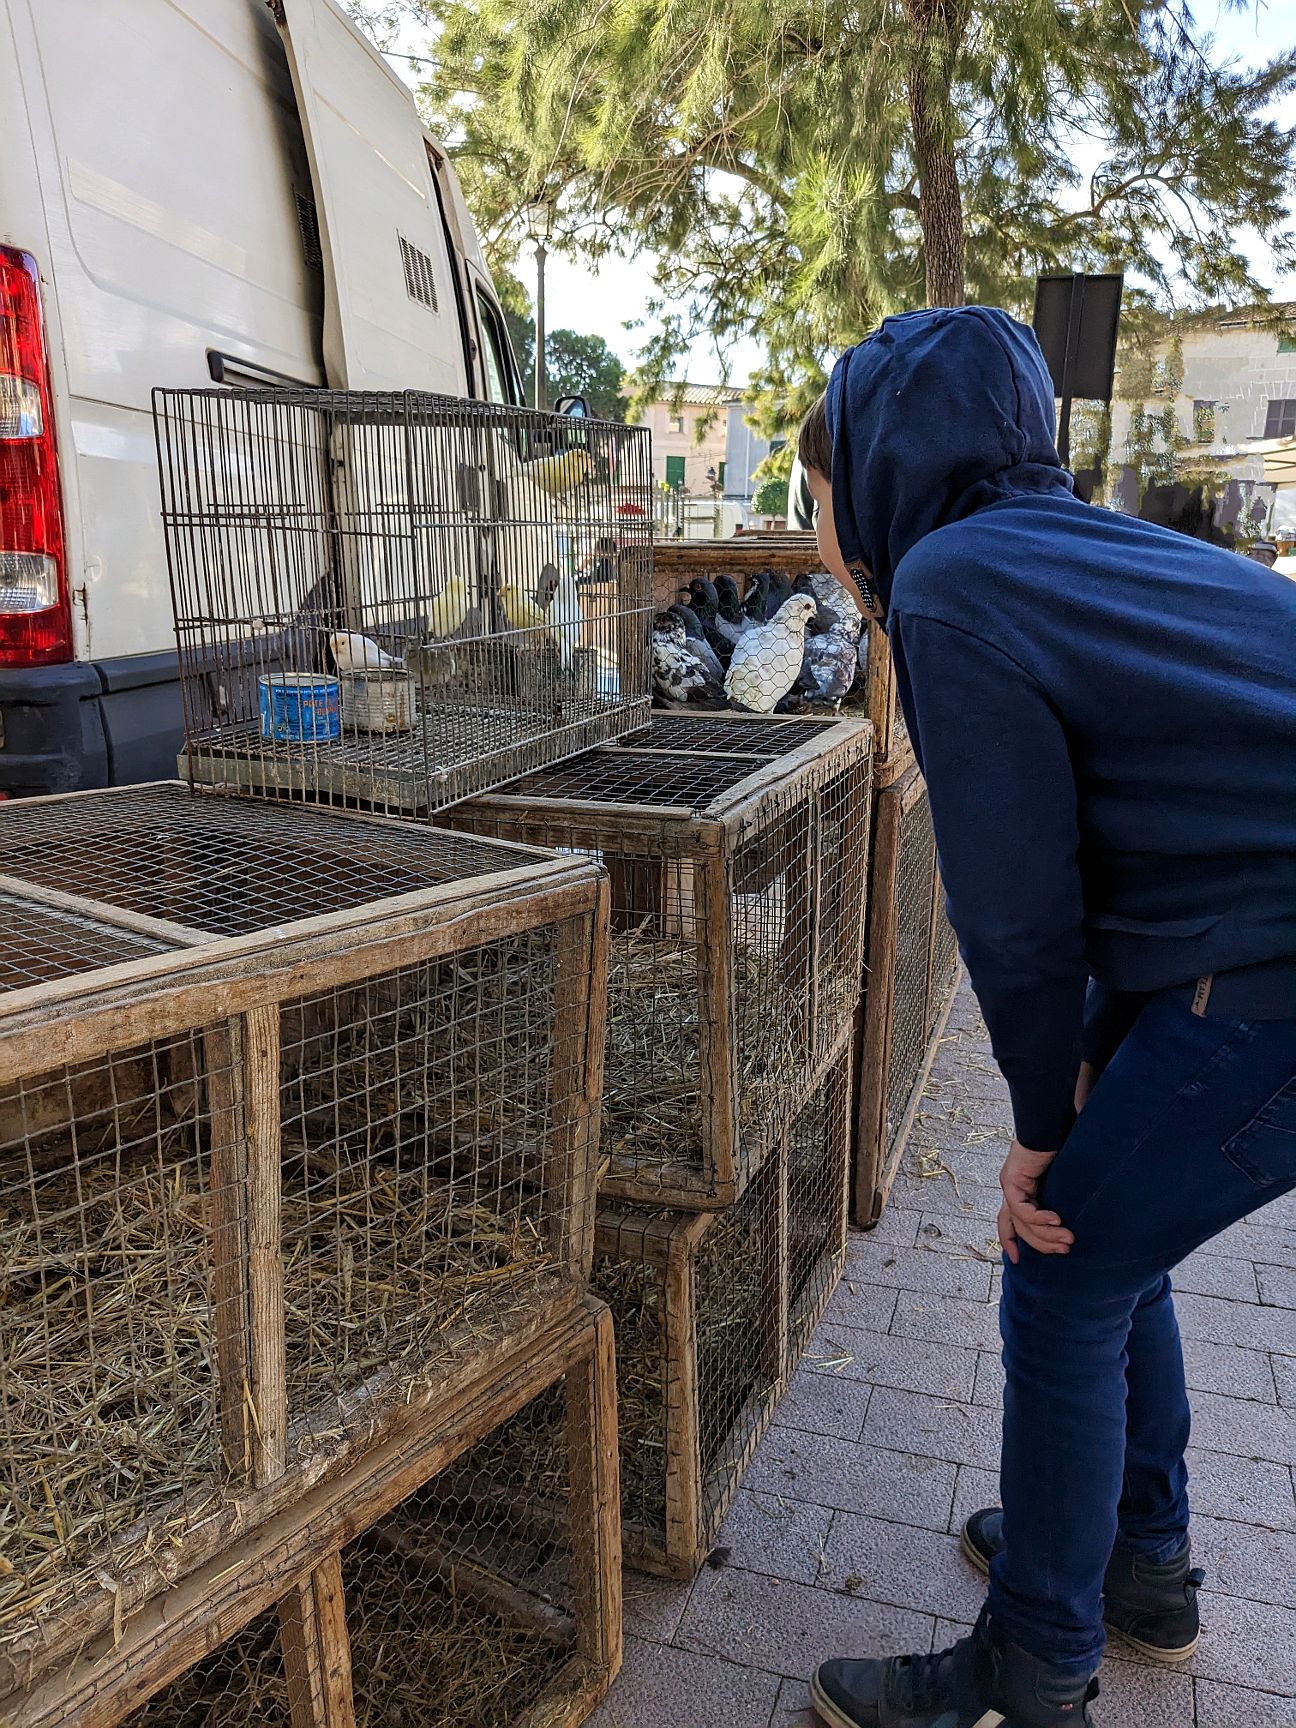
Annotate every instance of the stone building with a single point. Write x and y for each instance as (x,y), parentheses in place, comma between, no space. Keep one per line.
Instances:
(1237,395)
(690,436)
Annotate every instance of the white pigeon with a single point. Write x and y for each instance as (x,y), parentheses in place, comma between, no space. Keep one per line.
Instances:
(355,653)
(565,618)
(767,658)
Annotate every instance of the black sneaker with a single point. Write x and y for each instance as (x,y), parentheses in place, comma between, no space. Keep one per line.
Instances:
(979,1683)
(1152,1607)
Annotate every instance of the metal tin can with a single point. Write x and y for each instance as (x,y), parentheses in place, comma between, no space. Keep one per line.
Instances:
(300,708)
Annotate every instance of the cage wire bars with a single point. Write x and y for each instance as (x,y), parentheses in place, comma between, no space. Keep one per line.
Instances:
(396,600)
(738,886)
(260,1192)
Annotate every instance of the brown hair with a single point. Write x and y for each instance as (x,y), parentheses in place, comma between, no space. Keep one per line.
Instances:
(814,441)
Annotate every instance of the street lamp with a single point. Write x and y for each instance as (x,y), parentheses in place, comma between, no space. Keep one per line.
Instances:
(539,219)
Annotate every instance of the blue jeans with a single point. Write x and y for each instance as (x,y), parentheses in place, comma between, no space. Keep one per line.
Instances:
(1191,1127)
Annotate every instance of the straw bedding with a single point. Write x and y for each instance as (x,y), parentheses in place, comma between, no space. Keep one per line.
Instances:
(107,1365)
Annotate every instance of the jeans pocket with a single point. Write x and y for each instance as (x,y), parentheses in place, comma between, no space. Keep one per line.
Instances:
(1265,1150)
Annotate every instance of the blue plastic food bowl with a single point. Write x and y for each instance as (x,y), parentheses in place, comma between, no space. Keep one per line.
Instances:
(300,708)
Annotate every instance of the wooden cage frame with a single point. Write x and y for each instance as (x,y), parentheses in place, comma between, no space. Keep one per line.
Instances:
(229,991)
(635,838)
(670,1244)
(791,553)
(879,1142)
(290,1557)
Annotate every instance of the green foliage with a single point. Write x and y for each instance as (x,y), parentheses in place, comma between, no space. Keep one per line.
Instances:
(764,153)
(771,497)
(585,366)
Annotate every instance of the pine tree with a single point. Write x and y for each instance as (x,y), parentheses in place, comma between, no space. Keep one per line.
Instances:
(799,170)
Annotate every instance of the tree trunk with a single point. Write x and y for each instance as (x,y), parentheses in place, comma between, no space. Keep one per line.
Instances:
(938,28)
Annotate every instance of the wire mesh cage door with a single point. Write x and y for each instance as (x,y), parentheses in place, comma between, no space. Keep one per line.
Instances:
(910,981)
(411,1591)
(245,1230)
(395,600)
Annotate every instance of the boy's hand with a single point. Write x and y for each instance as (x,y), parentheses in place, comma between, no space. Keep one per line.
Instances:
(1019,1216)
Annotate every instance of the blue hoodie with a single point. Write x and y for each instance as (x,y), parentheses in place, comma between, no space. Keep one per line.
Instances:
(1104,710)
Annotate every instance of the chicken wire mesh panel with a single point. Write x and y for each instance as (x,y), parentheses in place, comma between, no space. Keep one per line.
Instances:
(740,1301)
(945,961)
(118,1211)
(39,943)
(736,943)
(396,600)
(226,866)
(915,888)
(764,739)
(452,1610)
(818,1166)
(426,1201)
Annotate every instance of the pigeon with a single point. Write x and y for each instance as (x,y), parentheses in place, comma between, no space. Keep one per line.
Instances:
(780,589)
(832,642)
(699,647)
(678,676)
(767,661)
(730,605)
(565,619)
(355,653)
(704,605)
(757,594)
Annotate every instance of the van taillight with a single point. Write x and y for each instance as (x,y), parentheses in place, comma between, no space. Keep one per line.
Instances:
(35,621)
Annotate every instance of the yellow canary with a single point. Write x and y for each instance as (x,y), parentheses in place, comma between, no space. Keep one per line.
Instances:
(521,611)
(557,474)
(449,608)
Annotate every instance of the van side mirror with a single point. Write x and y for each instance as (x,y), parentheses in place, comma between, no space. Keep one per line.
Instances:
(575,407)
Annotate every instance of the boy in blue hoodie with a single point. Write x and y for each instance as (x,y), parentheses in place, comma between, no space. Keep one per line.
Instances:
(1105,713)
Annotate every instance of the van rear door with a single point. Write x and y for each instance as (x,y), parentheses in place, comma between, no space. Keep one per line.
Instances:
(390,316)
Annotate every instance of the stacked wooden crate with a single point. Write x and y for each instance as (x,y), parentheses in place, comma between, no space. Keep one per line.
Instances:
(912,964)
(298,1115)
(737,852)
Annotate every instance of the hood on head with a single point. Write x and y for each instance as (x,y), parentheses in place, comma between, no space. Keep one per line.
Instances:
(935,415)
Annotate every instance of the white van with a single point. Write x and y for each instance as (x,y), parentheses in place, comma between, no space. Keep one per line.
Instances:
(190,190)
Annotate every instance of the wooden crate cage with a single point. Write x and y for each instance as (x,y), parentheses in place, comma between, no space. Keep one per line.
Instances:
(912,975)
(407,1593)
(257,1191)
(712,1313)
(737,928)
(789,553)
(493,560)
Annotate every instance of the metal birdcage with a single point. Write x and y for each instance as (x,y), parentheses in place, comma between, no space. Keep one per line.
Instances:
(405,1591)
(738,889)
(261,1187)
(912,975)
(396,600)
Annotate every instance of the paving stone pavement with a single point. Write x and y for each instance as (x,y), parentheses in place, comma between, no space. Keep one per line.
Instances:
(843,1536)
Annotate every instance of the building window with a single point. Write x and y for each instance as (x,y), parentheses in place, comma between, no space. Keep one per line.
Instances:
(1281,419)
(720,473)
(675,473)
(1204,422)
(677,422)
(1287,344)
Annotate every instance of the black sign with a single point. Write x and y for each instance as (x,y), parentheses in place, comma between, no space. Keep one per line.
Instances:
(1075,320)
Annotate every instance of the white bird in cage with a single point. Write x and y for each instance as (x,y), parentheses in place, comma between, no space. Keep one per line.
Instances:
(565,618)
(355,653)
(767,658)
